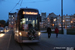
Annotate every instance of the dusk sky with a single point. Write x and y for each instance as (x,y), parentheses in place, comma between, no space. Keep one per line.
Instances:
(47,6)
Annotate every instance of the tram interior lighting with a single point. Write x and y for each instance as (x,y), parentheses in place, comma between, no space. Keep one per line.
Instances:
(33,23)
(23,21)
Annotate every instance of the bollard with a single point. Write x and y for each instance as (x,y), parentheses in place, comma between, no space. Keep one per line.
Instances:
(65,31)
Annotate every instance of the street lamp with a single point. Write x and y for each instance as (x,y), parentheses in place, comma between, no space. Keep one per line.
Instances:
(62,16)
(64,23)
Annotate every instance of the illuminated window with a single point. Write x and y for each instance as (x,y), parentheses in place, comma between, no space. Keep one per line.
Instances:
(71,21)
(68,20)
(12,22)
(12,15)
(47,18)
(23,20)
(63,20)
(26,19)
(54,19)
(67,16)
(52,24)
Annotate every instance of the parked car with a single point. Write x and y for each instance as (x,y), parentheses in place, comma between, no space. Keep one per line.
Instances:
(6,29)
(1,29)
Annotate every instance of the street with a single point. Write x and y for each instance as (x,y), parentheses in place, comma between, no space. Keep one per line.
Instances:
(7,42)
(11,44)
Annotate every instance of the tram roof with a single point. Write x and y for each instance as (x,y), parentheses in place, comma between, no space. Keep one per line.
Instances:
(29,9)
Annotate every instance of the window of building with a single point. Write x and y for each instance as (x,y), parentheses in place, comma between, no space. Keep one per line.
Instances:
(9,22)
(67,17)
(12,15)
(9,18)
(57,17)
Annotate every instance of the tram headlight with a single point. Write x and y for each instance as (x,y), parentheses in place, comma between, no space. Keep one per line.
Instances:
(39,33)
(20,33)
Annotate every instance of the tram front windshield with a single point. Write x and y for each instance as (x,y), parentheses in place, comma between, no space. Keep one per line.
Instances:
(27,24)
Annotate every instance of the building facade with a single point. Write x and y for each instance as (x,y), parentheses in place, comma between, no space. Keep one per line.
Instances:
(53,21)
(72,20)
(12,18)
(43,18)
(52,18)
(66,20)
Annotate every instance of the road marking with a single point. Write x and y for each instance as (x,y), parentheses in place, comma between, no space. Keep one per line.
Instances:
(9,43)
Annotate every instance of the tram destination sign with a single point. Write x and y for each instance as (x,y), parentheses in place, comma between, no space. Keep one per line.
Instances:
(30,13)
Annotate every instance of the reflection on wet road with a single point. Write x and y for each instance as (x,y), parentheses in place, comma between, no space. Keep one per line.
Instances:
(2,34)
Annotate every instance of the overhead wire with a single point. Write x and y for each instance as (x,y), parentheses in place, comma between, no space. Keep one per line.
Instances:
(37,1)
(21,2)
(27,2)
(16,5)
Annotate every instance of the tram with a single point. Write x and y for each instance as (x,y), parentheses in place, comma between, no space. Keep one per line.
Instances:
(26,26)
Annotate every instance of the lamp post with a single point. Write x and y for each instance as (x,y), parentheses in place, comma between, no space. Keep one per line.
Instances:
(64,23)
(62,16)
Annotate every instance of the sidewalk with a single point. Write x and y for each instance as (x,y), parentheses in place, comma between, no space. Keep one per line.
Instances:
(61,41)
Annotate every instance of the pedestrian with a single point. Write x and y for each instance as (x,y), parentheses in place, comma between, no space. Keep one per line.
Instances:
(56,31)
(49,32)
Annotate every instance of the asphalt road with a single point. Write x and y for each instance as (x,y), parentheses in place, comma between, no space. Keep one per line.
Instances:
(42,45)
(67,42)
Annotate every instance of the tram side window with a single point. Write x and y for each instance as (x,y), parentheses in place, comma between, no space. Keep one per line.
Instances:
(21,25)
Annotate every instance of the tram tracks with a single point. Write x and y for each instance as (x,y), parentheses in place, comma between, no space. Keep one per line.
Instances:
(31,46)
(25,46)
(20,46)
(40,46)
